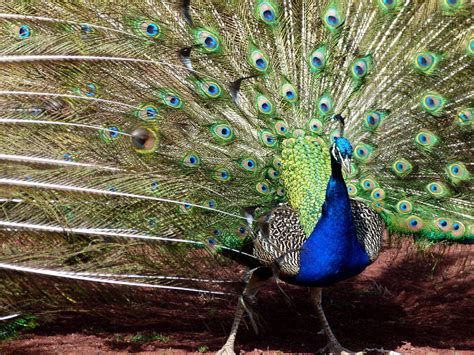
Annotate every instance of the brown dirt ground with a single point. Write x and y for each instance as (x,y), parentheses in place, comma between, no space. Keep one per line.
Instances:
(403,302)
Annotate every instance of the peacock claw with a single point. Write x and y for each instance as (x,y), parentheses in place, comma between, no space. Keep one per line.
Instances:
(226,350)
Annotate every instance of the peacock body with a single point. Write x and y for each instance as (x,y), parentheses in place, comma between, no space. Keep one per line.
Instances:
(147,143)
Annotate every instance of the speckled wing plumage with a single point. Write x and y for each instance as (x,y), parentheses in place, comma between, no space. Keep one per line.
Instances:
(280,237)
(135,133)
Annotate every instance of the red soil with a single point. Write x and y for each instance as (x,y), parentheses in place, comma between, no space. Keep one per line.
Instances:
(403,302)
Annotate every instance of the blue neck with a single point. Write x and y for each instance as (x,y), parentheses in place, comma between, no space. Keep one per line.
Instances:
(332,252)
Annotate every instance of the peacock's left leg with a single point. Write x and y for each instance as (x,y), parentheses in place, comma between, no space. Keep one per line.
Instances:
(250,291)
(333,346)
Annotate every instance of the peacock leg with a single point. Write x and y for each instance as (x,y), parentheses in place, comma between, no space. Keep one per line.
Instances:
(333,346)
(250,291)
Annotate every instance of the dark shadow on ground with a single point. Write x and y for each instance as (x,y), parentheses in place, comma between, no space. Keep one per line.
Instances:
(404,300)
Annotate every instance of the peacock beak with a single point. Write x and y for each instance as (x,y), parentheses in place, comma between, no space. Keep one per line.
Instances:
(346,164)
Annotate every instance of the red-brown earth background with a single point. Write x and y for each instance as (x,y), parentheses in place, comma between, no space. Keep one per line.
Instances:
(403,302)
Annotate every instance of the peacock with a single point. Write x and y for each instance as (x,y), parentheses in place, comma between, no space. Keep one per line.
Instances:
(158,143)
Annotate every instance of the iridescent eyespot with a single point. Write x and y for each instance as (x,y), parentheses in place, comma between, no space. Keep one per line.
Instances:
(281,128)
(377,194)
(464,117)
(363,152)
(324,104)
(248,164)
(67,157)
(89,90)
(272,174)
(24,32)
(452,5)
(280,191)
(426,140)
(277,164)
(210,89)
(378,206)
(86,28)
(288,93)
(457,172)
(242,231)
(150,29)
(221,174)
(222,132)
(317,59)
(186,206)
(211,203)
(144,140)
(108,134)
(332,18)
(351,189)
(267,12)
(402,167)
(263,188)
(154,186)
(388,5)
(458,229)
(191,160)
(368,184)
(147,112)
(437,189)
(152,222)
(361,67)
(172,100)
(257,59)
(373,119)
(444,224)
(433,103)
(404,206)
(264,105)
(267,139)
(209,41)
(414,223)
(426,62)
(315,126)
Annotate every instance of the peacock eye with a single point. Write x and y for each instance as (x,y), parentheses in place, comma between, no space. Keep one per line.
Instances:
(144,140)
(373,120)
(360,68)
(433,103)
(147,112)
(281,128)
(150,29)
(332,18)
(288,92)
(24,32)
(263,188)
(191,160)
(318,59)
(221,174)
(85,28)
(113,132)
(90,90)
(248,164)
(257,59)
(325,105)
(222,133)
(264,105)
(267,139)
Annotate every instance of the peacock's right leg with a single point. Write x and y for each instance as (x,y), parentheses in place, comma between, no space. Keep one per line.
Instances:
(333,346)
(253,284)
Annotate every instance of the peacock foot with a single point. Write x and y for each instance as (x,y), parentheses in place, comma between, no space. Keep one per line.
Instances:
(226,350)
(336,349)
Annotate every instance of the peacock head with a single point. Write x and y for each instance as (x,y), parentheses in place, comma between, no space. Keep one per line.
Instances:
(341,151)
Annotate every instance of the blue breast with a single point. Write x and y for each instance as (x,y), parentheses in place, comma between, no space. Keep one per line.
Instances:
(332,252)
